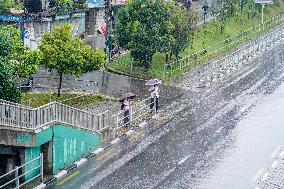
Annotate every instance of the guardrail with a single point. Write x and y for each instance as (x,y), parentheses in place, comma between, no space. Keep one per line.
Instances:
(14,177)
(137,112)
(14,115)
(229,62)
(193,59)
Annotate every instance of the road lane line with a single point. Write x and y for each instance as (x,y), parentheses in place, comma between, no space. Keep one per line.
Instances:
(276,151)
(281,154)
(257,175)
(68,178)
(274,164)
(264,177)
(183,160)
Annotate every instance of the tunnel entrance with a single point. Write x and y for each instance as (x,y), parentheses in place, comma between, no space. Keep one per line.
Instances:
(46,150)
(9,159)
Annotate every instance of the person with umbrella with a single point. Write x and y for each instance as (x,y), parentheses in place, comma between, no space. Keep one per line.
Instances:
(125,106)
(154,93)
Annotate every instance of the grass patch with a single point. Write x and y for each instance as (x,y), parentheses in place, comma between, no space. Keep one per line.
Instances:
(78,100)
(207,37)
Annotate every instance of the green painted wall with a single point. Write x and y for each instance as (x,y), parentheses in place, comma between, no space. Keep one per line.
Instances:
(69,144)
(24,139)
(31,153)
(44,136)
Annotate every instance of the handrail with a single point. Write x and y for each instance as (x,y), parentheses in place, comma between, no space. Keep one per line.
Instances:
(13,103)
(190,57)
(18,182)
(34,118)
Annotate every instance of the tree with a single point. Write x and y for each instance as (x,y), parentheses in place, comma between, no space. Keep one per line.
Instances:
(27,63)
(182,32)
(10,44)
(15,61)
(10,41)
(23,61)
(142,27)
(8,91)
(67,55)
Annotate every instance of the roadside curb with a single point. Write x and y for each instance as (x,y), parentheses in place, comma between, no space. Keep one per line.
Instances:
(91,155)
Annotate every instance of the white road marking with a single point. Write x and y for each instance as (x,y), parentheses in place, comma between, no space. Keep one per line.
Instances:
(257,175)
(264,177)
(276,151)
(183,160)
(281,154)
(274,164)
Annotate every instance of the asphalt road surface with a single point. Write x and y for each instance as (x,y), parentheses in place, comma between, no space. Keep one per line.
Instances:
(223,136)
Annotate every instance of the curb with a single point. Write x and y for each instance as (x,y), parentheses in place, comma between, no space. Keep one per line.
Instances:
(93,154)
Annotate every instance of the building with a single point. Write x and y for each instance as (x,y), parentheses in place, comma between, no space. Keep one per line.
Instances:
(43,16)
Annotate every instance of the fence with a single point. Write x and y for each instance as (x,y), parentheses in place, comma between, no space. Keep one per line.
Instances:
(30,101)
(137,113)
(14,177)
(229,62)
(15,115)
(194,59)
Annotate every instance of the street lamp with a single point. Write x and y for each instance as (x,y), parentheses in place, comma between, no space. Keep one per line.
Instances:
(108,36)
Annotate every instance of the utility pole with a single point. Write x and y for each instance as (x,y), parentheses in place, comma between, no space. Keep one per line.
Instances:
(263,3)
(262,8)
(108,35)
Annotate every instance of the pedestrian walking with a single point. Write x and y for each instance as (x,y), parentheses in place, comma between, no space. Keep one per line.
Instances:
(125,106)
(154,93)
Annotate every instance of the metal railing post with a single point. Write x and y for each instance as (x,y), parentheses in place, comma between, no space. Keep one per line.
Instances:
(130,114)
(155,105)
(17,181)
(117,122)
(41,166)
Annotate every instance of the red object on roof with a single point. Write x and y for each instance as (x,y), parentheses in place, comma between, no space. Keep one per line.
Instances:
(103,28)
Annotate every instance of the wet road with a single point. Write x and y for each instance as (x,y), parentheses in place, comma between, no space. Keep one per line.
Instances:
(215,138)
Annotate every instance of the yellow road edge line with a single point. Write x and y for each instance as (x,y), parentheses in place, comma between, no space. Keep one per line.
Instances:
(68,178)
(258,174)
(136,136)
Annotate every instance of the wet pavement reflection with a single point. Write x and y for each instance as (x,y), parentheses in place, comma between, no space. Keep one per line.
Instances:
(215,138)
